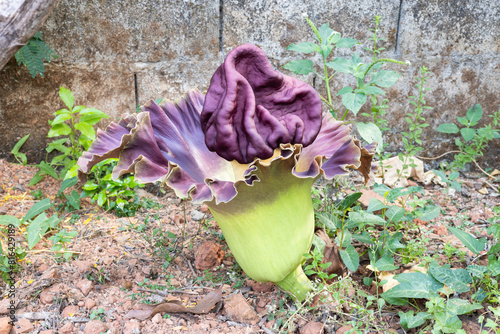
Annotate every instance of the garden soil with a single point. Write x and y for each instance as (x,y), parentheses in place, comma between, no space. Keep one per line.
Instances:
(122,268)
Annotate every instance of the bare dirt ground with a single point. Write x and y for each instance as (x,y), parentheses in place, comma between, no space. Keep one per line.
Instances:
(176,252)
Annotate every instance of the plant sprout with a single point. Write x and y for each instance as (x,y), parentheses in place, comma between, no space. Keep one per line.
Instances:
(251,150)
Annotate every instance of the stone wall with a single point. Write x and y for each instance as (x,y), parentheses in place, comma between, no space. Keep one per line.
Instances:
(117,54)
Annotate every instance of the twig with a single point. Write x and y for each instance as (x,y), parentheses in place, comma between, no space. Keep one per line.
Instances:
(165,294)
(473,160)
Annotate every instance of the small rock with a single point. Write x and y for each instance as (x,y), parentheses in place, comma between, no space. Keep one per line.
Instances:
(95,327)
(157,318)
(46,296)
(85,286)
(5,325)
(440,230)
(237,308)
(197,215)
(51,273)
(24,326)
(67,328)
(208,255)
(131,327)
(69,311)
(82,266)
(204,208)
(313,327)
(48,331)
(4,306)
(343,329)
(89,303)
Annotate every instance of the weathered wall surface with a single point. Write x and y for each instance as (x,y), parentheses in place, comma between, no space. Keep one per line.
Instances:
(116,54)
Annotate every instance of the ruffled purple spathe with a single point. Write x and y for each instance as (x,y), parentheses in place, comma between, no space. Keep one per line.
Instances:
(206,148)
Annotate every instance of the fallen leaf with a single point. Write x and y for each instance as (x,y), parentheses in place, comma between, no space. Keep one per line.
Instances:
(483,191)
(331,254)
(176,306)
(390,171)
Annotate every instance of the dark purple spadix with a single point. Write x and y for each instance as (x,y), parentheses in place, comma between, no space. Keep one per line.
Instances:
(250,108)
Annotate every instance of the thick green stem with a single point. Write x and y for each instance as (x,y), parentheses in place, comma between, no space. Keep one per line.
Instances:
(296,283)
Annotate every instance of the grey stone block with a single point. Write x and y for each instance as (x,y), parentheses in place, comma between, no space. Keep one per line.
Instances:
(449,27)
(110,32)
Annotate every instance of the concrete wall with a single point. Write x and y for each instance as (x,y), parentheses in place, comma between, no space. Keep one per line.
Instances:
(116,54)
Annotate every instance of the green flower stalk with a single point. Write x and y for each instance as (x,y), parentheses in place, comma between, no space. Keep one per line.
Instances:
(251,150)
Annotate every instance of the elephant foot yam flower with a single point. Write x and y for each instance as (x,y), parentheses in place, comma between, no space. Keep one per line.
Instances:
(250,150)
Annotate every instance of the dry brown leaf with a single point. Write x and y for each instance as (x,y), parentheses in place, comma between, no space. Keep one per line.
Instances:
(331,254)
(176,306)
(391,167)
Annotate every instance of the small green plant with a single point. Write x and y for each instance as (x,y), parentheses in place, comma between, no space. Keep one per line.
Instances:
(75,126)
(33,54)
(98,314)
(19,156)
(59,243)
(119,195)
(473,140)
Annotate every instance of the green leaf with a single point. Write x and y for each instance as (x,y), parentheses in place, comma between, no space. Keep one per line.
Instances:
(342,65)
(447,128)
(420,285)
(57,145)
(474,114)
(303,66)
(68,183)
(429,212)
(325,32)
(47,169)
(91,115)
(349,201)
(74,199)
(346,43)
(395,214)
(304,47)
(370,132)
(371,90)
(61,129)
(18,145)
(330,221)
(60,119)
(461,306)
(344,90)
(476,270)
(318,243)
(474,245)
(375,205)
(364,218)
(384,78)
(456,279)
(350,257)
(408,320)
(9,220)
(67,97)
(447,322)
(86,129)
(36,178)
(37,208)
(385,263)
(353,101)
(363,237)
(468,133)
(37,229)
